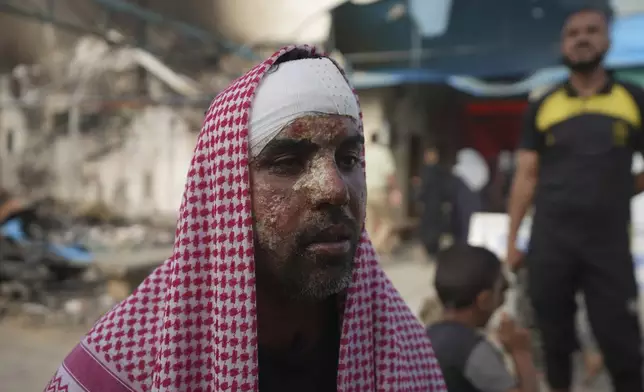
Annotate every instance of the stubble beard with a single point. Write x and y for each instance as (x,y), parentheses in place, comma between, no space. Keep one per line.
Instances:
(322,283)
(585,67)
(317,281)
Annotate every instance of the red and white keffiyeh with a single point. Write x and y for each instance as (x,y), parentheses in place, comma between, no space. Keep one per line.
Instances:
(191,325)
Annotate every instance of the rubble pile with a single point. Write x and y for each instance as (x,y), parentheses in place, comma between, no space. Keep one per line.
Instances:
(99,229)
(126,237)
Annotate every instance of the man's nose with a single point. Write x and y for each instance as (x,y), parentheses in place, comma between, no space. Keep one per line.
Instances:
(583,42)
(329,185)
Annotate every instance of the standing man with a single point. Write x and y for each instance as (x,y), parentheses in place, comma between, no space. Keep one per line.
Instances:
(471,174)
(574,163)
(432,196)
(383,194)
(273,284)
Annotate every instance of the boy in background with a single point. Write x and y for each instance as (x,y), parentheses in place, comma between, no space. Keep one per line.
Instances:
(470,285)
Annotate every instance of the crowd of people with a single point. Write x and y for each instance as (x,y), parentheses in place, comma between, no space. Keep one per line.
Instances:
(274,283)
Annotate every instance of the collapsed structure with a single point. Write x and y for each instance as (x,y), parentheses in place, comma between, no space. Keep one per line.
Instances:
(104,125)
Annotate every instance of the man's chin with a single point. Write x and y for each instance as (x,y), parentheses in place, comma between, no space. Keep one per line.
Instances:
(325,286)
(584,66)
(330,276)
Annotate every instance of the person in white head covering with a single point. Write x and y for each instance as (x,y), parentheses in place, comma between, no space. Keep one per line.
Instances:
(472,169)
(457,187)
(471,174)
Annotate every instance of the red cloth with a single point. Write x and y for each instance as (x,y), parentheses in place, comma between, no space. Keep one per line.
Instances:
(493,127)
(191,325)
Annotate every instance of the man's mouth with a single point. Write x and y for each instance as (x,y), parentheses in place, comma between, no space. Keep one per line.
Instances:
(583,48)
(331,248)
(334,240)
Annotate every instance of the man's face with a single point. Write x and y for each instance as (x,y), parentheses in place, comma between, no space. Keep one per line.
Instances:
(431,156)
(585,41)
(308,195)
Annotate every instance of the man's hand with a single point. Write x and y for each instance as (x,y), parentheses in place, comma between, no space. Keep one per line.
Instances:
(639,183)
(514,258)
(513,337)
(395,198)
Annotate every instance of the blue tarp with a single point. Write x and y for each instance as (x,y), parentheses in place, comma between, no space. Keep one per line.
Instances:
(74,255)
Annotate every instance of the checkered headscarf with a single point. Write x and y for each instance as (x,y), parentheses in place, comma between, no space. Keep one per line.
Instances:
(191,325)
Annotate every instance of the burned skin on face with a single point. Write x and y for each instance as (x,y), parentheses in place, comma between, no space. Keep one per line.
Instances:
(307,179)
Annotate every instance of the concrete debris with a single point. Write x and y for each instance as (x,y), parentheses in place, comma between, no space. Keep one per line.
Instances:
(135,236)
(74,121)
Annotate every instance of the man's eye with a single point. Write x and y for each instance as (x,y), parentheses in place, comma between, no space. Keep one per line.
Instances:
(287,165)
(349,161)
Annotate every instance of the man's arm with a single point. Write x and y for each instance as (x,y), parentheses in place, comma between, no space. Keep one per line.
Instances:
(526,372)
(525,175)
(637,138)
(392,182)
(639,141)
(522,191)
(638,96)
(639,182)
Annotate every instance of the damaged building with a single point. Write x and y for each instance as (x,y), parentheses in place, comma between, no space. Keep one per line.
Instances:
(89,138)
(101,101)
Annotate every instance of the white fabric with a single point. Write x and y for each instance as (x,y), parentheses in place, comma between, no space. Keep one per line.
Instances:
(505,161)
(295,89)
(638,163)
(379,167)
(472,169)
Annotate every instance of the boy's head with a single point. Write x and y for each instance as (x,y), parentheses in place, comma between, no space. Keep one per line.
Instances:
(469,279)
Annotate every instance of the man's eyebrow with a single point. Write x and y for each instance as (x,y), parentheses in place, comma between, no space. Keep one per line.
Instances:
(355,140)
(276,146)
(279,146)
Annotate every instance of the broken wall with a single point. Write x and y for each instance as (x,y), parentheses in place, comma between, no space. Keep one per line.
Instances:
(13,135)
(147,175)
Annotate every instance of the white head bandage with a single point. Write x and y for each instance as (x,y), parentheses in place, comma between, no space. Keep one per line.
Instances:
(298,88)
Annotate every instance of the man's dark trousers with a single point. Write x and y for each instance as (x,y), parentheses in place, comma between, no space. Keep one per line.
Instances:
(573,253)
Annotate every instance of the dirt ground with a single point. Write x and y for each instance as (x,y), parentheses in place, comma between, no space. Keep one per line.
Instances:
(30,355)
